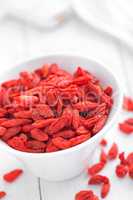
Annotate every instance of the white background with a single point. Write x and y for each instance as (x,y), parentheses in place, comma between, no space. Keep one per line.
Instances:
(18,42)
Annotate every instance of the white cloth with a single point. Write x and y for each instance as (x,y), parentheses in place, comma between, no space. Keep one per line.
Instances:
(112,17)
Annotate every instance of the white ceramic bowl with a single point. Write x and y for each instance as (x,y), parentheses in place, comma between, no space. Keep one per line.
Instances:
(68,163)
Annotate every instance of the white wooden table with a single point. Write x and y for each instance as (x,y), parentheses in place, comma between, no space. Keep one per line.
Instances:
(18,42)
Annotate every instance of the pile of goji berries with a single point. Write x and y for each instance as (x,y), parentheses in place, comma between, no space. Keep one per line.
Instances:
(50,109)
(122,169)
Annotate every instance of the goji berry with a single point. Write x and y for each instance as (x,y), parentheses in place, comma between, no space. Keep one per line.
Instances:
(94,169)
(103,142)
(126,128)
(79,139)
(98,179)
(12,175)
(108,90)
(45,111)
(122,158)
(128,104)
(103,157)
(121,170)
(2,194)
(105,190)
(2,131)
(99,125)
(39,135)
(130,158)
(86,195)
(10,132)
(113,152)
(61,143)
(131,171)
(36,145)
(15,122)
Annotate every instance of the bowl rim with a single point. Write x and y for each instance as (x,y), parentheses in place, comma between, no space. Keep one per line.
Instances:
(92,139)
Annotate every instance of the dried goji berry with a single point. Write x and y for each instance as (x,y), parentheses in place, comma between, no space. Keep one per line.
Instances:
(131,171)
(129,121)
(51,147)
(61,143)
(126,128)
(99,125)
(105,190)
(121,170)
(44,110)
(108,90)
(15,122)
(94,169)
(10,132)
(57,125)
(79,139)
(66,134)
(103,157)
(39,135)
(36,145)
(76,119)
(86,195)
(98,179)
(2,194)
(103,142)
(82,131)
(23,114)
(43,123)
(130,158)
(113,152)
(12,175)
(128,104)
(122,158)
(2,131)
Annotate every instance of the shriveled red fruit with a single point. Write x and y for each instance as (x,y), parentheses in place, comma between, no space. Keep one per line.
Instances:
(66,134)
(36,145)
(121,170)
(61,143)
(51,147)
(12,175)
(45,111)
(79,139)
(128,103)
(86,195)
(94,169)
(2,131)
(11,132)
(103,142)
(129,121)
(15,122)
(130,158)
(105,190)
(126,128)
(98,179)
(39,135)
(23,114)
(113,152)
(122,158)
(99,125)
(108,90)
(131,171)
(103,157)
(2,194)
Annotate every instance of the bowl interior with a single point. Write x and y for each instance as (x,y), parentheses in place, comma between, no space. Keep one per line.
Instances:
(70,63)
